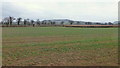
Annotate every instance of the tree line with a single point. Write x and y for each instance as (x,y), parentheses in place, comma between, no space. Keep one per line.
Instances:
(8,21)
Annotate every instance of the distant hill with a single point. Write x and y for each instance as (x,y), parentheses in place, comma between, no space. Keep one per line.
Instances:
(66,21)
(61,20)
(116,22)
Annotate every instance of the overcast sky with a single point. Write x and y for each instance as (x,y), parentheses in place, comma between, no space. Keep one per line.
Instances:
(80,10)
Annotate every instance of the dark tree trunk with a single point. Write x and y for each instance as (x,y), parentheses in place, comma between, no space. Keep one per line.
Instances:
(10,20)
(18,23)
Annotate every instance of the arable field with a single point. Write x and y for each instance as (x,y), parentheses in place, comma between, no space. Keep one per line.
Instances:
(59,46)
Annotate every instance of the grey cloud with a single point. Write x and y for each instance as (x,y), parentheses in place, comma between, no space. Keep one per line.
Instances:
(70,10)
(8,9)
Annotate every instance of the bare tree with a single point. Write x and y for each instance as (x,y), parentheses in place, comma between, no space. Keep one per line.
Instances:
(53,23)
(32,22)
(11,20)
(25,22)
(28,21)
(6,21)
(18,21)
(49,22)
